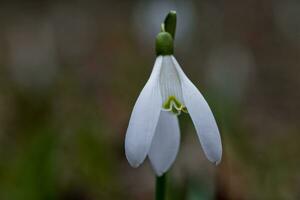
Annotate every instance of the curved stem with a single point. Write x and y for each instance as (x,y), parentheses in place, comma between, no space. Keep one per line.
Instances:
(160,187)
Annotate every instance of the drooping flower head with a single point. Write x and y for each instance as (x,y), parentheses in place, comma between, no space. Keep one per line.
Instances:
(153,128)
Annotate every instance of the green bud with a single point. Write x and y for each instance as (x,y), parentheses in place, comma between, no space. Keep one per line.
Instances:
(164,44)
(170,23)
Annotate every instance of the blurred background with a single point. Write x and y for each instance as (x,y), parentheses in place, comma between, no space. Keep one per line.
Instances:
(70,73)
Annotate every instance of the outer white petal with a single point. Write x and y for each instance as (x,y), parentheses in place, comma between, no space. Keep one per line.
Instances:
(202,117)
(165,144)
(144,119)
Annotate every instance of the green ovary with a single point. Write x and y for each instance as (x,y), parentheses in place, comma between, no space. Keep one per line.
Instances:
(174,106)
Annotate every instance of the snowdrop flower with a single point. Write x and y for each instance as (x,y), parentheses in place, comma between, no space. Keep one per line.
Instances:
(153,129)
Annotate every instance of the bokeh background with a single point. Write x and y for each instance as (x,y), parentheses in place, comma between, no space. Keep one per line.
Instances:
(70,72)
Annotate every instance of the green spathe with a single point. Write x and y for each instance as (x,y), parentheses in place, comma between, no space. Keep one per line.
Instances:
(164,44)
(170,23)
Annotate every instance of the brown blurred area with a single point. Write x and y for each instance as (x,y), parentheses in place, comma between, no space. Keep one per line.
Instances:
(70,72)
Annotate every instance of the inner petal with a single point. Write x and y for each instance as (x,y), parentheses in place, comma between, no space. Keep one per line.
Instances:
(170,87)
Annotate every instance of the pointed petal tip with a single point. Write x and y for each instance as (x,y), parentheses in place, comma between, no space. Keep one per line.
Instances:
(133,162)
(158,170)
(216,160)
(132,155)
(134,165)
(159,173)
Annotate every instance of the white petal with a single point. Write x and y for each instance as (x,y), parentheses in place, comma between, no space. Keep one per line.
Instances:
(165,143)
(144,119)
(169,80)
(202,117)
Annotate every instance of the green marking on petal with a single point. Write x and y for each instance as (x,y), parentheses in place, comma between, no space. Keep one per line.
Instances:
(174,106)
(175,111)
(184,109)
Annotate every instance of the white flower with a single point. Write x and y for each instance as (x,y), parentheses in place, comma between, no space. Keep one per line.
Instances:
(153,129)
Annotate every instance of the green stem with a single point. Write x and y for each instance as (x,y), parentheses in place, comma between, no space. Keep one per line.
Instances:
(160,187)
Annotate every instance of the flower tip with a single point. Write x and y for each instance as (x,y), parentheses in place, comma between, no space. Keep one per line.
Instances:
(133,163)
(173,12)
(159,174)
(132,158)
(170,23)
(159,171)
(217,162)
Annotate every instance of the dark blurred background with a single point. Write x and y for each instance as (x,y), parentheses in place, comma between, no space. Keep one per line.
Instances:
(70,72)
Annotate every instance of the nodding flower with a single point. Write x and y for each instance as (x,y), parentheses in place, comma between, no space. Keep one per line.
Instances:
(153,128)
